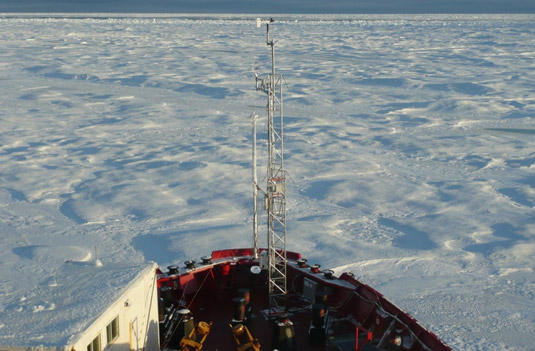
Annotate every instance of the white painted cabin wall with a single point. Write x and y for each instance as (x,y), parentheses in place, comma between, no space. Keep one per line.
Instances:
(137,309)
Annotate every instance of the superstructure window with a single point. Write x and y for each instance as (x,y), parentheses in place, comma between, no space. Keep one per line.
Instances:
(112,331)
(95,344)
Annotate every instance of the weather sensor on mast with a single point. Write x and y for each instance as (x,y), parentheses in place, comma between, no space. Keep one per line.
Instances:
(275,194)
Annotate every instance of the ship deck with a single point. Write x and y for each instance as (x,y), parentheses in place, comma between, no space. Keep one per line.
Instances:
(349,310)
(218,309)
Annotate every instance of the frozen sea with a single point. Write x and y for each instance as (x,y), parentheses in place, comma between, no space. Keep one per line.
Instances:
(410,145)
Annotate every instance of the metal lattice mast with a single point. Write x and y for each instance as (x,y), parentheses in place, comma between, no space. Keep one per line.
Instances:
(276,186)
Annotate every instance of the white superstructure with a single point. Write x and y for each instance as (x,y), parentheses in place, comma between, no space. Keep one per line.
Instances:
(84,307)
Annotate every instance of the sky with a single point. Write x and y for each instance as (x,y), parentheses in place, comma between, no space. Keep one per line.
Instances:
(272,6)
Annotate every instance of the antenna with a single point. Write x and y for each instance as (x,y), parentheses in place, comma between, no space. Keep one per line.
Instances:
(255,191)
(276,184)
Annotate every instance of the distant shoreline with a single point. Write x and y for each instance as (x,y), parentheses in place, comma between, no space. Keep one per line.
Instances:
(347,7)
(278,17)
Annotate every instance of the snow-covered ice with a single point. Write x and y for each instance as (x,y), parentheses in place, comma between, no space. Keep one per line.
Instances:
(409,139)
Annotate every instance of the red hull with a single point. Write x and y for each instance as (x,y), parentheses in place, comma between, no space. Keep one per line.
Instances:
(352,307)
